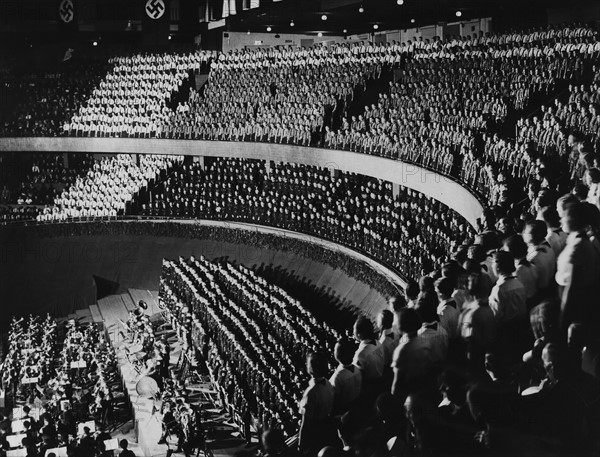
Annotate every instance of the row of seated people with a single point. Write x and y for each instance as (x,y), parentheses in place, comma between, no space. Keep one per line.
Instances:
(134,94)
(360,212)
(493,352)
(253,335)
(59,387)
(38,178)
(464,96)
(108,187)
(40,105)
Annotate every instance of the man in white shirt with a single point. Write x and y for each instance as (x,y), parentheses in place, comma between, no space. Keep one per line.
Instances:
(369,355)
(346,379)
(507,299)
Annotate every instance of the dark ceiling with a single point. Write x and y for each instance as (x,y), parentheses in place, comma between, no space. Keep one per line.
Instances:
(387,14)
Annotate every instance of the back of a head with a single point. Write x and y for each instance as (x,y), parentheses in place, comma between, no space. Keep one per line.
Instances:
(412,290)
(537,230)
(451,270)
(386,319)
(123,444)
(445,286)
(344,351)
(426,310)
(516,246)
(550,216)
(409,321)
(316,364)
(575,217)
(489,240)
(426,284)
(363,329)
(273,440)
(504,262)
(475,285)
(564,201)
(396,303)
(477,253)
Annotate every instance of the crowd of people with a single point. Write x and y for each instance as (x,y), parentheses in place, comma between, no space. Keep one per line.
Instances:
(132,100)
(402,227)
(109,187)
(254,337)
(39,104)
(60,379)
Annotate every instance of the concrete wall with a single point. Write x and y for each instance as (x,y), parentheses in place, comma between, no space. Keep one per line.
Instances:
(427,182)
(56,274)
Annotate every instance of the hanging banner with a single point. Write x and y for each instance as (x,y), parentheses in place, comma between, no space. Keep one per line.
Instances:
(66,11)
(155,9)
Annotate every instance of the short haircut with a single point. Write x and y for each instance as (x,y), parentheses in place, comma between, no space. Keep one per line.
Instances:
(409,321)
(516,246)
(505,262)
(566,200)
(471,266)
(363,328)
(538,230)
(426,284)
(412,290)
(594,175)
(575,217)
(397,302)
(581,191)
(451,270)
(550,216)
(123,444)
(477,253)
(474,284)
(317,365)
(344,351)
(426,311)
(387,319)
(445,286)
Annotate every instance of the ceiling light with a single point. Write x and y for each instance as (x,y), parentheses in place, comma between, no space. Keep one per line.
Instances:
(412,21)
(324,17)
(361,9)
(95,43)
(320,34)
(345,30)
(292,23)
(269,29)
(170,37)
(375,26)
(458,13)
(248,32)
(400,2)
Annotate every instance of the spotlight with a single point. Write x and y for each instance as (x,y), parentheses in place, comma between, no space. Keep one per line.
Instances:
(361,9)
(324,17)
(170,37)
(400,2)
(95,43)
(458,13)
(375,26)
(292,23)
(345,31)
(248,32)
(269,29)
(320,34)
(412,21)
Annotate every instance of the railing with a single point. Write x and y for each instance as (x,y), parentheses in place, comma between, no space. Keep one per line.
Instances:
(446,189)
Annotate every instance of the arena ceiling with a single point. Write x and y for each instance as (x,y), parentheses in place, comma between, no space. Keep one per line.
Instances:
(359,16)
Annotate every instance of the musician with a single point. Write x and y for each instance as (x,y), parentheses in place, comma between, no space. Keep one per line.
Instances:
(169,424)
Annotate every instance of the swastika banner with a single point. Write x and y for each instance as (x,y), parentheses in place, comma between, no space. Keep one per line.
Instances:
(66,11)
(155,9)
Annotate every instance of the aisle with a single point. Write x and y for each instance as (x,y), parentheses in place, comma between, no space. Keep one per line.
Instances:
(144,433)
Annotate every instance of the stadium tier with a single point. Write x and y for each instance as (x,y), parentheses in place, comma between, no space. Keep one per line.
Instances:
(491,348)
